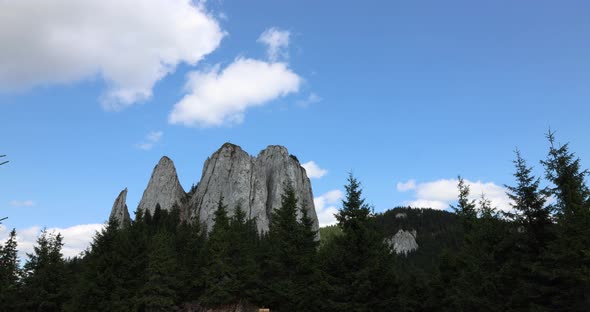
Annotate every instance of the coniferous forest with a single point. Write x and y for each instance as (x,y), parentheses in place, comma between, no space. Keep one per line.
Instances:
(534,258)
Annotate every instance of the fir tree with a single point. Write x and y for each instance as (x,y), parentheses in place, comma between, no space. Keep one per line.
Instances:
(290,267)
(218,276)
(44,274)
(358,264)
(567,260)
(529,235)
(160,291)
(9,273)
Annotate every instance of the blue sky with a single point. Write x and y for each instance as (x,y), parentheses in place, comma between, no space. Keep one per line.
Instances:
(405,94)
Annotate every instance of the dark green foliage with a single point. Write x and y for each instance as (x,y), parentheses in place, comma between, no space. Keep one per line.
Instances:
(291,274)
(218,276)
(437,230)
(44,275)
(328,233)
(566,262)
(358,265)
(9,272)
(230,273)
(160,290)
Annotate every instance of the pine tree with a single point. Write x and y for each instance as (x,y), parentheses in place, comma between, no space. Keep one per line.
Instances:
(9,273)
(218,276)
(290,268)
(160,291)
(465,208)
(529,234)
(358,264)
(190,243)
(567,260)
(44,274)
(242,251)
(102,283)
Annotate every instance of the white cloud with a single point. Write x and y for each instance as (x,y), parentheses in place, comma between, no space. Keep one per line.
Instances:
(425,203)
(76,238)
(22,203)
(131,44)
(325,207)
(277,42)
(406,186)
(441,193)
(311,99)
(313,170)
(219,97)
(150,140)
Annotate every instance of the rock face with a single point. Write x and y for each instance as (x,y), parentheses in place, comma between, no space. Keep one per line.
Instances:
(255,183)
(119,211)
(163,188)
(403,242)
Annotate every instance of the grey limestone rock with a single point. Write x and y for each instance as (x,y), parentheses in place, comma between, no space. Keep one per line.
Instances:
(255,183)
(163,188)
(403,242)
(119,211)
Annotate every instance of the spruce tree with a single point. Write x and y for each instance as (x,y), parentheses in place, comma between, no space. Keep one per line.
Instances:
(567,260)
(358,264)
(160,291)
(244,238)
(218,276)
(44,274)
(529,234)
(290,269)
(9,273)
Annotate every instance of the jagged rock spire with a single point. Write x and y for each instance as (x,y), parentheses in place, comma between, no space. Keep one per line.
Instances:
(119,211)
(163,188)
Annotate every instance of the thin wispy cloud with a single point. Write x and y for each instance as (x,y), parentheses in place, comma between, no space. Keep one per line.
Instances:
(22,203)
(311,99)
(277,42)
(151,139)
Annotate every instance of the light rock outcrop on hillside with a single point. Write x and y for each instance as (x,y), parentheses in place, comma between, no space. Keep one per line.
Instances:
(403,242)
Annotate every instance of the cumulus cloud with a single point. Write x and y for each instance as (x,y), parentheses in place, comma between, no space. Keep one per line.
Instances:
(76,238)
(150,140)
(325,207)
(220,97)
(130,44)
(277,42)
(22,203)
(441,193)
(313,170)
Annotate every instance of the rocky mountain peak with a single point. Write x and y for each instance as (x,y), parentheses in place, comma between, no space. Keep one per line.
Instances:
(255,183)
(119,211)
(163,188)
